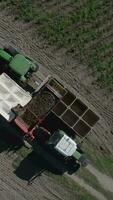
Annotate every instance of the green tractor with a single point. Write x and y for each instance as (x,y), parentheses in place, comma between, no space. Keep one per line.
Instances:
(19,67)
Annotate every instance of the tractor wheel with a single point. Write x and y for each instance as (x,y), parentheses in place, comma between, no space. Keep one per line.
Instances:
(85,163)
(12,51)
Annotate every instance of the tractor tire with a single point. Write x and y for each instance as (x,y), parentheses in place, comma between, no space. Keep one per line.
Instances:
(84,162)
(12,51)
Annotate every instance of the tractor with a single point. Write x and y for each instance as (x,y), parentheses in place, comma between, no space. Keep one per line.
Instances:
(16,65)
(58,149)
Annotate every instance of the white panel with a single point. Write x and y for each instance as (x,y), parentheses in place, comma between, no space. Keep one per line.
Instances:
(11,94)
(66,146)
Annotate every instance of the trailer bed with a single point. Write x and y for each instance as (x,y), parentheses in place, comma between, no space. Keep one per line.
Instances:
(58,108)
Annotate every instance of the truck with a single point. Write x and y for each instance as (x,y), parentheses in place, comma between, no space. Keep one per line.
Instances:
(19,66)
(50,120)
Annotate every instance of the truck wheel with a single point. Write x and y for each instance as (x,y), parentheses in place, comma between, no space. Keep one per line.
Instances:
(12,51)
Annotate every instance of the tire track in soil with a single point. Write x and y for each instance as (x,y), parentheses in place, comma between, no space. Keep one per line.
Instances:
(91,190)
(48,190)
(105,181)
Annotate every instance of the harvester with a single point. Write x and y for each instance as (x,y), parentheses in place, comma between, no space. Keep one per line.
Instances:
(50,120)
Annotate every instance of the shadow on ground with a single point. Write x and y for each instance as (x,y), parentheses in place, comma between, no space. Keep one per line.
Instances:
(29,167)
(9,138)
(33,166)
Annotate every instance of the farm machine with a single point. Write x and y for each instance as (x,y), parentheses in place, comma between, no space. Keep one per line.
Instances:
(50,119)
(20,67)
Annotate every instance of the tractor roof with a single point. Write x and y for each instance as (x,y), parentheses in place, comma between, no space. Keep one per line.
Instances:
(20,64)
(62,143)
(66,146)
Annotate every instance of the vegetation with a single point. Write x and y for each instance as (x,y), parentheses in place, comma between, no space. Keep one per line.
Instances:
(75,190)
(102,160)
(92,180)
(23,151)
(84,28)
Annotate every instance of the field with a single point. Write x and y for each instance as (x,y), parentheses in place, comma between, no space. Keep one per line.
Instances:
(73,40)
(79,33)
(83,28)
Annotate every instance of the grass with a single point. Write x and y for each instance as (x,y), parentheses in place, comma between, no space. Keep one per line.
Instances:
(75,190)
(74,29)
(23,151)
(88,177)
(92,181)
(102,160)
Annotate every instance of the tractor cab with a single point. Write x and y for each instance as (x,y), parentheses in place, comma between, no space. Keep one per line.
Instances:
(22,67)
(17,65)
(61,146)
(62,143)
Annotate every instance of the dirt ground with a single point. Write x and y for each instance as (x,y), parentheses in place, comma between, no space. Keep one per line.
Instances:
(79,79)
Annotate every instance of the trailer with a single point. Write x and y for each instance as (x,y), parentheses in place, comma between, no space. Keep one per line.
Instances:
(54,107)
(50,123)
